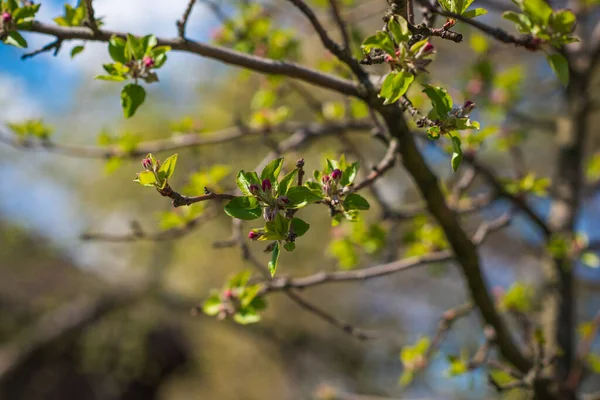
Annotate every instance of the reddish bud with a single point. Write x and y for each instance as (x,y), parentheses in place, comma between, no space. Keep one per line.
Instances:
(254,188)
(6,17)
(534,44)
(148,61)
(388,58)
(468,106)
(326,178)
(252,235)
(283,200)
(428,48)
(448,24)
(266,185)
(147,164)
(228,293)
(336,174)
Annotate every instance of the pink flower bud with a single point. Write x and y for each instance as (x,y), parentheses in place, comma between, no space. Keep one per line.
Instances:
(428,48)
(148,61)
(336,174)
(266,185)
(228,293)
(283,201)
(6,17)
(147,164)
(468,106)
(252,235)
(388,58)
(254,188)
(325,178)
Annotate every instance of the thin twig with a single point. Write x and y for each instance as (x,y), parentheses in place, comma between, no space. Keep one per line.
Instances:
(53,46)
(181,24)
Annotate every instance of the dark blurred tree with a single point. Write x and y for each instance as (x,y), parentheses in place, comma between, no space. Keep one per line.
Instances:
(371,92)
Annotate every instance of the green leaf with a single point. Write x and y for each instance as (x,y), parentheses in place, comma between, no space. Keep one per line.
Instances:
(274,260)
(381,40)
(212,305)
(244,180)
(457,154)
(167,168)
(263,99)
(355,201)
(246,316)
(134,48)
(243,207)
(538,10)
(474,13)
(116,49)
(300,196)
(14,38)
(399,28)
(349,174)
(272,170)
(289,246)
(299,227)
(523,22)
(112,78)
(590,259)
(76,50)
(132,96)
(280,225)
(562,21)
(146,178)
(147,43)
(287,182)
(560,66)
(395,86)
(440,100)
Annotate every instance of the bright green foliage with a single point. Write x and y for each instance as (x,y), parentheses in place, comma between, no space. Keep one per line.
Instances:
(368,238)
(529,184)
(237,299)
(413,359)
(460,7)
(252,31)
(31,128)
(553,27)
(180,217)
(334,185)
(593,362)
(424,237)
(590,259)
(458,365)
(23,15)
(126,142)
(157,174)
(75,16)
(593,168)
(211,178)
(404,60)
(519,297)
(275,259)
(135,58)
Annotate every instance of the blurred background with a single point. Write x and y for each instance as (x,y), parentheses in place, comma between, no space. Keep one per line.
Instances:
(111,320)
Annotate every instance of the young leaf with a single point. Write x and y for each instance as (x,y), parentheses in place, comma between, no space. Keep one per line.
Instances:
(146,178)
(349,174)
(440,99)
(560,66)
(299,227)
(355,202)
(212,305)
(474,13)
(395,86)
(134,48)
(287,182)
(538,10)
(399,28)
(116,49)
(167,168)
(274,259)
(563,21)
(381,40)
(244,180)
(76,50)
(300,196)
(590,259)
(289,246)
(272,170)
(246,316)
(14,38)
(243,207)
(457,154)
(132,96)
